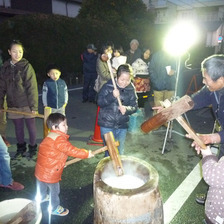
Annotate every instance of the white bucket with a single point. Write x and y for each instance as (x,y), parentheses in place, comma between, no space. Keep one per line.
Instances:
(9,208)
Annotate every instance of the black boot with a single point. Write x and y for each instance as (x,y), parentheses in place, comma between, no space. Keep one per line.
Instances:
(32,150)
(21,149)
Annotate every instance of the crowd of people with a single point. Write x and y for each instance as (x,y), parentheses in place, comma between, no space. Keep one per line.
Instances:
(117,81)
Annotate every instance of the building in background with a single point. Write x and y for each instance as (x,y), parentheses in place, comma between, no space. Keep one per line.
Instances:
(209,14)
(9,8)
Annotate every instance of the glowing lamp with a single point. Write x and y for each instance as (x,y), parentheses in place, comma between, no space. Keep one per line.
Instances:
(180,38)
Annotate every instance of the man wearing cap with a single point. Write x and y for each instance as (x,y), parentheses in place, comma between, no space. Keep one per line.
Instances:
(89,58)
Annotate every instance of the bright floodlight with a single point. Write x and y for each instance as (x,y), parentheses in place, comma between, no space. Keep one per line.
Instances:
(180,38)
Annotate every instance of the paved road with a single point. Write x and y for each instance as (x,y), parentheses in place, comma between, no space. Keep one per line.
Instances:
(178,168)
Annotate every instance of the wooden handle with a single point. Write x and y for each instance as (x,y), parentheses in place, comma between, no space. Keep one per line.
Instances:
(94,153)
(113,81)
(190,131)
(186,126)
(47,112)
(23,113)
(167,114)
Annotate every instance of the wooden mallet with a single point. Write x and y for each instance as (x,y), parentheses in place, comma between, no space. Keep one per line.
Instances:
(170,112)
(111,146)
(186,126)
(103,149)
(47,112)
(114,153)
(177,108)
(22,113)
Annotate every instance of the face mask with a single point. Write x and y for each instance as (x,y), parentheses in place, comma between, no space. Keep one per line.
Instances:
(109,55)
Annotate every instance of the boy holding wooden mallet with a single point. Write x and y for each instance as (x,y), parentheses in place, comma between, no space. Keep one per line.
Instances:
(53,153)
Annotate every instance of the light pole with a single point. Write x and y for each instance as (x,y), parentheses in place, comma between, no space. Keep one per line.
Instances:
(177,42)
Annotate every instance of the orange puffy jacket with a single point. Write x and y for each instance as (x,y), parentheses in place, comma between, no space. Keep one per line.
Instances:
(53,153)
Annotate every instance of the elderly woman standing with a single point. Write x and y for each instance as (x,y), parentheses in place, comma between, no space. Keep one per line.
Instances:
(18,83)
(134,52)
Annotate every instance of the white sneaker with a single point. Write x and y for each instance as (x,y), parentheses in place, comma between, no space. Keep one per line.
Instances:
(60,211)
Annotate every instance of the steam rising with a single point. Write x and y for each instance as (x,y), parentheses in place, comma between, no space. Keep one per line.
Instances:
(135,175)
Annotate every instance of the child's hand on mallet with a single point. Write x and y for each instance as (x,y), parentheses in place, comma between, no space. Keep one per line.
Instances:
(122,109)
(116,93)
(90,154)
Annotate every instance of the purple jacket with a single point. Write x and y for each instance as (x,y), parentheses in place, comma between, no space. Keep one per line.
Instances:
(213,174)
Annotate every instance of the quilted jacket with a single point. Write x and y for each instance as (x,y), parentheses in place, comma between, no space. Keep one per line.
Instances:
(109,115)
(53,153)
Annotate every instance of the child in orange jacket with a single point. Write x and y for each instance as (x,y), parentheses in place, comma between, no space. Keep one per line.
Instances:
(53,153)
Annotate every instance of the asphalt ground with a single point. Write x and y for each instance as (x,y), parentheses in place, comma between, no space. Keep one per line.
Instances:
(178,168)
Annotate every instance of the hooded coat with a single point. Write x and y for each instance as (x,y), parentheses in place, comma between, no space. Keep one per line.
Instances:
(18,82)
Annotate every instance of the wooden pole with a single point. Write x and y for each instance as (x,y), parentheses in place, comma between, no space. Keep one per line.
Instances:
(186,126)
(190,131)
(23,113)
(94,153)
(113,81)
(47,112)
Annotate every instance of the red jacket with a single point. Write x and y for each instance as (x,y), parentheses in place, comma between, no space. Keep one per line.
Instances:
(53,153)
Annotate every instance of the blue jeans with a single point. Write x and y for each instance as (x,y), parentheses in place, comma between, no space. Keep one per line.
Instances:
(119,135)
(54,191)
(5,170)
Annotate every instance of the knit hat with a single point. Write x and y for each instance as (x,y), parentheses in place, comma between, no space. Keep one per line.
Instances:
(134,41)
(52,66)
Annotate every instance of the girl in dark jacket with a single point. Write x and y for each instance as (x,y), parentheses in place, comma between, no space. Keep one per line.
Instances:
(18,83)
(112,117)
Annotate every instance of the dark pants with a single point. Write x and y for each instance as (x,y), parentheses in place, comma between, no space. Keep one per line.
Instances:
(19,129)
(88,92)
